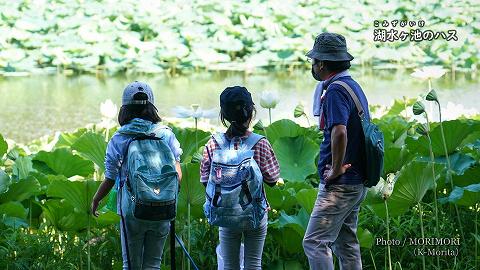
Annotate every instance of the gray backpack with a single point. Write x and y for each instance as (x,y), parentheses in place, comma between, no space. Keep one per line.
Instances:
(234,192)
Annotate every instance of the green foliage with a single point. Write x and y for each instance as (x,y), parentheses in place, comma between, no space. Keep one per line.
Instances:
(62,216)
(190,140)
(365,238)
(68,139)
(218,35)
(394,130)
(78,194)
(399,106)
(21,190)
(4,181)
(92,146)
(22,167)
(296,156)
(13,209)
(470,176)
(192,191)
(413,181)
(280,198)
(47,248)
(293,228)
(287,128)
(456,131)
(466,196)
(50,193)
(3,146)
(306,198)
(62,161)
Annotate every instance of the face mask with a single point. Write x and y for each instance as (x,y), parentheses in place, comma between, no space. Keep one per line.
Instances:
(315,75)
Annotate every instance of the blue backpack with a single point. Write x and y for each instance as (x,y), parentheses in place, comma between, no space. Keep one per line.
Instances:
(234,192)
(150,189)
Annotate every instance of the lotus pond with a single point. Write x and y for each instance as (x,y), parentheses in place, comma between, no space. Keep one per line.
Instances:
(60,61)
(46,188)
(43,105)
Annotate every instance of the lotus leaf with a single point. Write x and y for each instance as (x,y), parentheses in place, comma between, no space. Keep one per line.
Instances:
(296,156)
(92,146)
(62,161)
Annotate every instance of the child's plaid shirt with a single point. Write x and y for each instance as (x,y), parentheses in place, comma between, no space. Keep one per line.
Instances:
(263,155)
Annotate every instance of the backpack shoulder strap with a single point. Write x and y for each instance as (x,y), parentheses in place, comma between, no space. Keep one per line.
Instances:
(253,139)
(352,94)
(220,139)
(158,130)
(124,160)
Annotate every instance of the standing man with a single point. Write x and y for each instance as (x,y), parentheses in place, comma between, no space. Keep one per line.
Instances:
(341,166)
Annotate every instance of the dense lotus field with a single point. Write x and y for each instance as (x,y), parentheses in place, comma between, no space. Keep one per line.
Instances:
(46,188)
(184,36)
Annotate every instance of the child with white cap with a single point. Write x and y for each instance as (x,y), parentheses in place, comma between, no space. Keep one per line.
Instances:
(143,160)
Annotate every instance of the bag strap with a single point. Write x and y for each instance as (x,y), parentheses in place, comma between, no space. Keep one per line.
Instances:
(219,138)
(124,155)
(247,193)
(209,154)
(218,193)
(124,230)
(352,94)
(252,140)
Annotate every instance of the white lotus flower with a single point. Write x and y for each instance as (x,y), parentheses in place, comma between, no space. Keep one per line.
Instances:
(195,112)
(108,109)
(427,73)
(453,111)
(388,186)
(269,99)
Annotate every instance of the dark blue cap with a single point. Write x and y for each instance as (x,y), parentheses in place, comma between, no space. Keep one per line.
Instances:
(235,101)
(236,95)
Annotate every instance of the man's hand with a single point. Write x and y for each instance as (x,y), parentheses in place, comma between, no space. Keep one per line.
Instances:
(330,173)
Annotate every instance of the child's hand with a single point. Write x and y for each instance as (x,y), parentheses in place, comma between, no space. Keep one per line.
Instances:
(94,208)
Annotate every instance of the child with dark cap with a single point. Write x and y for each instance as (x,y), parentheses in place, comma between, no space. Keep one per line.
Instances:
(237,112)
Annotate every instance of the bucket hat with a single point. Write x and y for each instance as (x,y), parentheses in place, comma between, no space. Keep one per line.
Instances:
(330,47)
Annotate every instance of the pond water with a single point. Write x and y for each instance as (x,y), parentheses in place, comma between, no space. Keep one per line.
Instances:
(39,105)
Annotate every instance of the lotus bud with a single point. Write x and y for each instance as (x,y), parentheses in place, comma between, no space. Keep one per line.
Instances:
(388,187)
(411,131)
(422,129)
(195,107)
(280,182)
(418,108)
(299,111)
(269,100)
(432,96)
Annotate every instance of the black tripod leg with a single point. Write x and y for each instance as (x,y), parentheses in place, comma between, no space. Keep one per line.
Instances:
(172,244)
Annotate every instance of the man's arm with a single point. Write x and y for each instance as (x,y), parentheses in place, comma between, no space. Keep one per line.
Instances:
(339,146)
